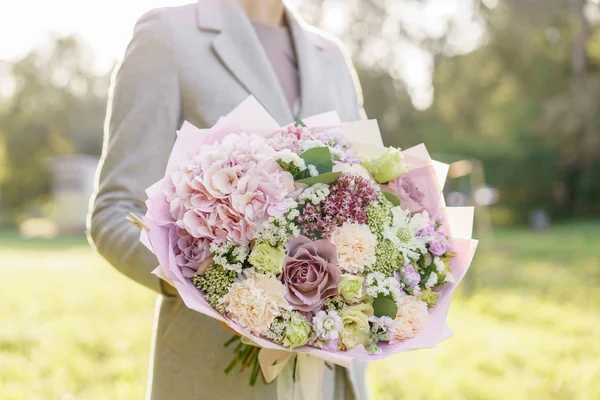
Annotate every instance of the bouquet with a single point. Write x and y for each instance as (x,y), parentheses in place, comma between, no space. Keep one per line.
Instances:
(311,237)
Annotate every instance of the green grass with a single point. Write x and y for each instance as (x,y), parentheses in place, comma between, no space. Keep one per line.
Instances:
(73,328)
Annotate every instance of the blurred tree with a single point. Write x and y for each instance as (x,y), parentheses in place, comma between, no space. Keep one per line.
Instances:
(56,108)
(515,83)
(527,103)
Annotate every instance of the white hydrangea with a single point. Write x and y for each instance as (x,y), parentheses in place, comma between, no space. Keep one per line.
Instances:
(316,193)
(378,284)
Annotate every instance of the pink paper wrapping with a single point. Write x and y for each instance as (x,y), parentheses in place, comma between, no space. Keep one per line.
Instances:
(426,173)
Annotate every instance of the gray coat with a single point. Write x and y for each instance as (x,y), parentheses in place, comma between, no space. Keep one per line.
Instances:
(196,63)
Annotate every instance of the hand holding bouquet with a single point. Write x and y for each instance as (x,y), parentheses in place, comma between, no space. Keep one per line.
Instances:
(308,238)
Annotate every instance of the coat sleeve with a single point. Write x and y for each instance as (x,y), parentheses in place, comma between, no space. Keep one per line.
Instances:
(142,117)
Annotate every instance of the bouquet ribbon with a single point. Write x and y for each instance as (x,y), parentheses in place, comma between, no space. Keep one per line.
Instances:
(300,376)
(302,381)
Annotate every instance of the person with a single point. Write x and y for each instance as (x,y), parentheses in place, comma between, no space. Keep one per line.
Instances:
(196,63)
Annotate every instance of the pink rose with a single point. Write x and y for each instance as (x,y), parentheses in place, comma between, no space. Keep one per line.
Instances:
(310,273)
(439,245)
(408,193)
(192,255)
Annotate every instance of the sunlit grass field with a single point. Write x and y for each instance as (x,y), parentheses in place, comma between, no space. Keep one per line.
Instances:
(73,328)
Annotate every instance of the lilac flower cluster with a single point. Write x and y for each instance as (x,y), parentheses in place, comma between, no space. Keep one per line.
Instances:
(347,201)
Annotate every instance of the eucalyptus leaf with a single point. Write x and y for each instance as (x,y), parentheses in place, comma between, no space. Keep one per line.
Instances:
(299,123)
(391,197)
(320,157)
(328,178)
(385,306)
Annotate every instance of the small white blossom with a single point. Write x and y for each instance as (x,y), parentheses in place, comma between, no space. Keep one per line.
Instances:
(378,284)
(428,259)
(294,230)
(312,170)
(241,252)
(433,279)
(316,193)
(449,278)
(292,215)
(229,255)
(381,323)
(439,265)
(327,325)
(274,231)
(290,204)
(337,154)
(289,157)
(311,144)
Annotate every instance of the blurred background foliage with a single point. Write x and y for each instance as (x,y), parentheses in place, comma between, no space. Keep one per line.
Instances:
(523,97)
(518,90)
(525,100)
(55,106)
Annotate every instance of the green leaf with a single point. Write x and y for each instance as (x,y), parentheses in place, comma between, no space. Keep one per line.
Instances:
(320,157)
(328,178)
(385,306)
(299,123)
(391,197)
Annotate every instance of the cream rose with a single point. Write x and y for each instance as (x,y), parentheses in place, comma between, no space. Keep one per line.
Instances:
(355,246)
(256,302)
(411,319)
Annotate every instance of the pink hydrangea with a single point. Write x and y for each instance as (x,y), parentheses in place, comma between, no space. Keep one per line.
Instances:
(229,189)
(290,138)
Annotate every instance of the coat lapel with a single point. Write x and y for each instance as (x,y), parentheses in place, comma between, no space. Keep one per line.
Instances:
(239,49)
(309,53)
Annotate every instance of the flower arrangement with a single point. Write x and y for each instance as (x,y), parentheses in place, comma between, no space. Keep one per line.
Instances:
(297,241)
